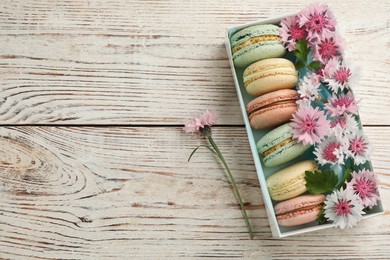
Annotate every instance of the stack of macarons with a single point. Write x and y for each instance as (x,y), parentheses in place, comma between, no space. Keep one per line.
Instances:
(267,76)
(271,79)
(286,187)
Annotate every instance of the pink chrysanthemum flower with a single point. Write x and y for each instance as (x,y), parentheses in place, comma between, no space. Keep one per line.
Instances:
(359,148)
(330,67)
(345,125)
(344,208)
(317,19)
(308,87)
(340,79)
(204,120)
(291,32)
(330,45)
(339,76)
(331,151)
(309,125)
(365,184)
(344,103)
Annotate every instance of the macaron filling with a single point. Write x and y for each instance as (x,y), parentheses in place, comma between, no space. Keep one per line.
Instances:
(287,72)
(277,147)
(255,68)
(299,212)
(279,104)
(254,40)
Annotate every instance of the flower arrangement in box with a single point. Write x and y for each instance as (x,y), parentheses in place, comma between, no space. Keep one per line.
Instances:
(327,117)
(295,92)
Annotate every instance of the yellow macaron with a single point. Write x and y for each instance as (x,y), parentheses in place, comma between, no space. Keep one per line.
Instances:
(290,181)
(269,75)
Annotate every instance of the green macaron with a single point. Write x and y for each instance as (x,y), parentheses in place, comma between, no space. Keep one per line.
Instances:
(255,43)
(278,146)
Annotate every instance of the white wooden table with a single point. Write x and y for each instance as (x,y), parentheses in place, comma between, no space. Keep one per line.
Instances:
(93,160)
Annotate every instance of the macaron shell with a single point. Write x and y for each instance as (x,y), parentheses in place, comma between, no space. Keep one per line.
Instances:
(273,116)
(272,109)
(274,137)
(290,181)
(252,31)
(255,43)
(258,51)
(299,210)
(269,75)
(284,153)
(292,189)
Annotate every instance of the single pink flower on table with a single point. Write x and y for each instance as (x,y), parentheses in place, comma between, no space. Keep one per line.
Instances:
(330,45)
(308,87)
(204,120)
(365,184)
(291,32)
(359,148)
(339,105)
(202,124)
(344,208)
(317,19)
(331,151)
(309,125)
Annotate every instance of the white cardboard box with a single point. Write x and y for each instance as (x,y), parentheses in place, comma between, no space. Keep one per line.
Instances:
(255,135)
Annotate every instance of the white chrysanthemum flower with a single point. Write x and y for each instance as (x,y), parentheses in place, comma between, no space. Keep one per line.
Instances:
(332,150)
(308,87)
(365,184)
(345,125)
(359,148)
(344,208)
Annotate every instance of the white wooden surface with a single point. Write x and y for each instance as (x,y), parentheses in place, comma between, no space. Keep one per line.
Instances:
(92,157)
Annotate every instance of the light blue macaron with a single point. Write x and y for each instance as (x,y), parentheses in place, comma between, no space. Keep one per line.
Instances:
(278,146)
(255,43)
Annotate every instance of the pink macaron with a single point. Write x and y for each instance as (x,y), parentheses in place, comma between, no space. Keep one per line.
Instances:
(299,210)
(272,109)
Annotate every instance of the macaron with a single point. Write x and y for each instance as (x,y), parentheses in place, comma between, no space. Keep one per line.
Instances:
(272,109)
(299,210)
(269,75)
(278,146)
(290,181)
(255,43)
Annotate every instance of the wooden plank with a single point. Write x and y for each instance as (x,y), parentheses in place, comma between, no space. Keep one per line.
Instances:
(154,62)
(104,193)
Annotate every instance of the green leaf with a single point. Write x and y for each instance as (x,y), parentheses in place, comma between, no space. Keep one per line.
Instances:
(193,152)
(346,176)
(302,47)
(315,65)
(300,56)
(321,216)
(321,181)
(299,65)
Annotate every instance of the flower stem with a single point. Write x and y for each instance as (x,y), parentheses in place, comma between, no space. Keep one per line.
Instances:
(345,177)
(233,183)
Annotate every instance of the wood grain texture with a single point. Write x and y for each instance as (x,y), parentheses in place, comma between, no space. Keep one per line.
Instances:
(125,193)
(124,190)
(122,62)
